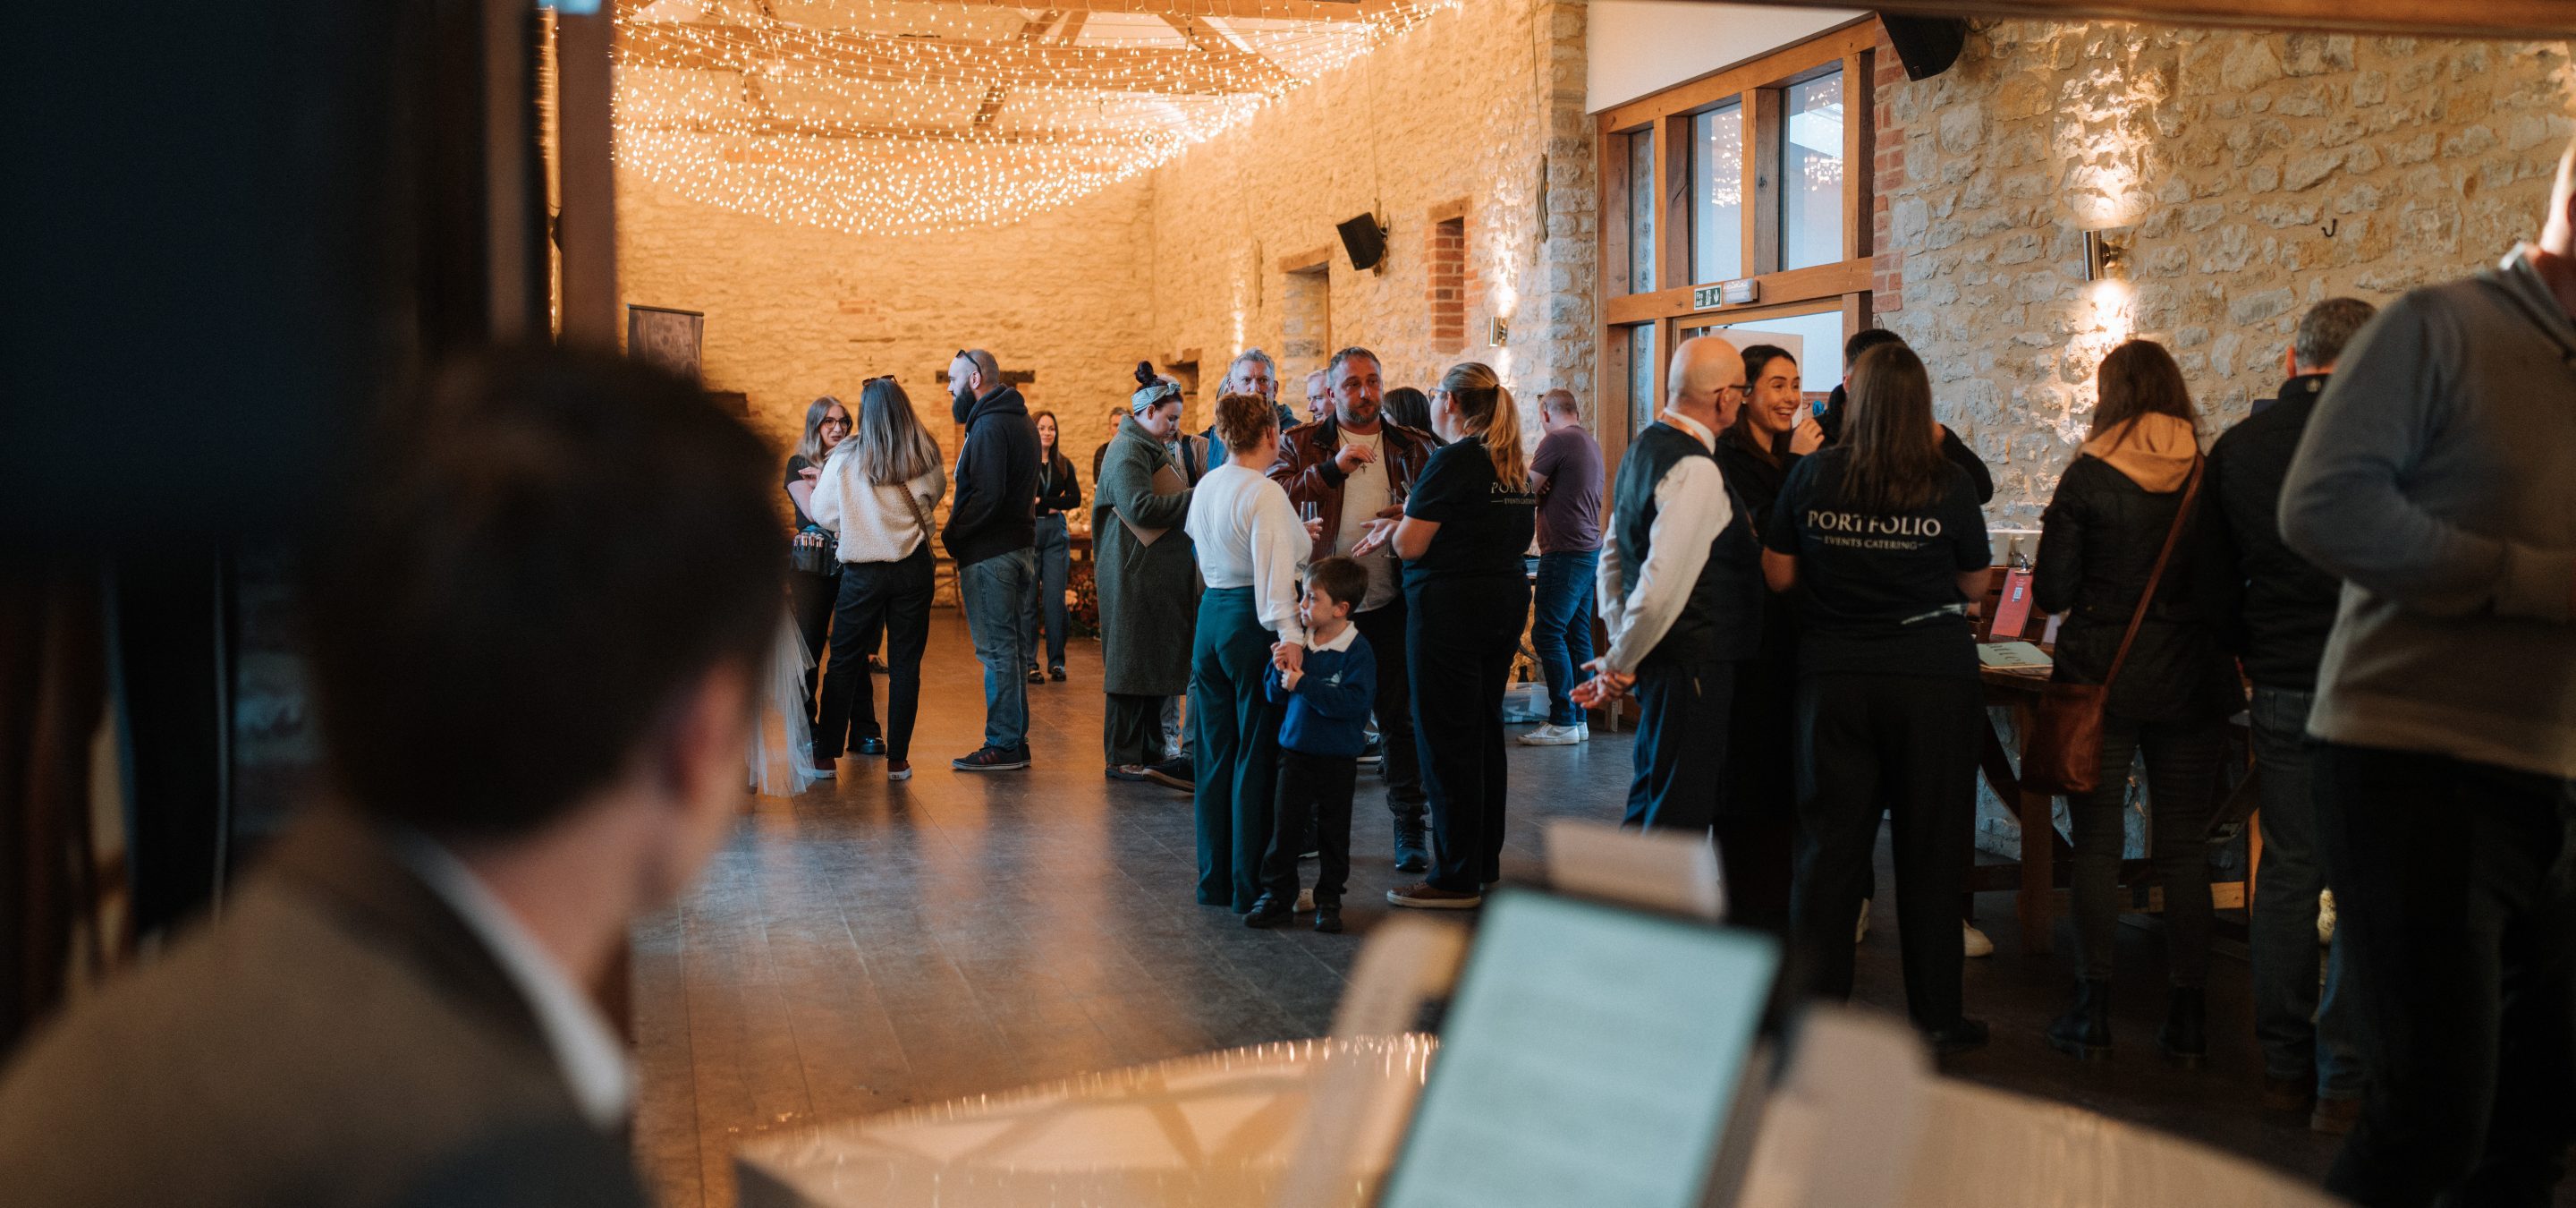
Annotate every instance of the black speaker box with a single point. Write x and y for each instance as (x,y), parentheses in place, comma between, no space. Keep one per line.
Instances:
(1364,240)
(1928,45)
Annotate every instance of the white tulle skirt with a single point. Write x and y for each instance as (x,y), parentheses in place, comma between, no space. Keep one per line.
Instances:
(782,741)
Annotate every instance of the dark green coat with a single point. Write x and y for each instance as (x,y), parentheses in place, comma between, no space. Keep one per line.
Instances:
(1149,595)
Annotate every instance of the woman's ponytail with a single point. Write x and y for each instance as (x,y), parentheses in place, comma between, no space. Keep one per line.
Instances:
(1491,416)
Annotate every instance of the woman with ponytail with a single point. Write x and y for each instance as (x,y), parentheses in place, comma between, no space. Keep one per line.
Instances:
(1467,523)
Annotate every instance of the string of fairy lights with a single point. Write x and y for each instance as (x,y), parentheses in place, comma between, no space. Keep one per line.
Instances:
(906,117)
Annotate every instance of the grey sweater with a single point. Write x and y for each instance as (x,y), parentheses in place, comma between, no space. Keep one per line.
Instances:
(2438,480)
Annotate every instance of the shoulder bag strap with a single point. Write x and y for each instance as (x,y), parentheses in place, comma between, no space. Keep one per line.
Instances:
(2182,517)
(921,517)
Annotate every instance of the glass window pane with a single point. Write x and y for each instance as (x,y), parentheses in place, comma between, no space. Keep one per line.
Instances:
(1717,194)
(1815,339)
(1641,377)
(1641,211)
(1811,173)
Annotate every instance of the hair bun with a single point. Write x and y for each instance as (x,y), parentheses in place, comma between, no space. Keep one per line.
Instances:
(1145,373)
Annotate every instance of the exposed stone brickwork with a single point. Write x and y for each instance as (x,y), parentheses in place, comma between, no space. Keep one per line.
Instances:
(1450,284)
(2253,175)
(1483,103)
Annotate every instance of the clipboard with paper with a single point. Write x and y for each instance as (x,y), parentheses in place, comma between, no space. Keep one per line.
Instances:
(1167,481)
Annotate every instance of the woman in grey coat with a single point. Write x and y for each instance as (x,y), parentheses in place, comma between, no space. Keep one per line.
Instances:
(1148,582)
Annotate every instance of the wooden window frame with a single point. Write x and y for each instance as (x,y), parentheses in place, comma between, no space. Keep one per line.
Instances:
(1760,84)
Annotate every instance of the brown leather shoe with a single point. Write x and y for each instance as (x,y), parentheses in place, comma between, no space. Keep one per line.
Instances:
(1423,895)
(2288,1094)
(2334,1117)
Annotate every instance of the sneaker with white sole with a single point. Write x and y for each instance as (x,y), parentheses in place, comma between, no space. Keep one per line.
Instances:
(1554,736)
(1976,941)
(1423,895)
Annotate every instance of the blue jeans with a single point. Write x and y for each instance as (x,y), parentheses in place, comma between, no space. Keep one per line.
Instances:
(993,591)
(2304,1033)
(1046,592)
(1562,633)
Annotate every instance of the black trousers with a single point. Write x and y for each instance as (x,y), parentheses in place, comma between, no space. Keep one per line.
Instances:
(1906,745)
(1399,764)
(1132,732)
(1756,853)
(812,598)
(1682,712)
(2455,896)
(1459,643)
(888,598)
(1313,803)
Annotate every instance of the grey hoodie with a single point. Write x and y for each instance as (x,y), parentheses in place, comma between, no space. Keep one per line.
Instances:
(2438,480)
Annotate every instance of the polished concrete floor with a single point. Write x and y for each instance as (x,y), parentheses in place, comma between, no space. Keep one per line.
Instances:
(869,946)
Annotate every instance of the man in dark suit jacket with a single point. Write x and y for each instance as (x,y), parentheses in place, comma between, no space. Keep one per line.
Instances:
(396,1007)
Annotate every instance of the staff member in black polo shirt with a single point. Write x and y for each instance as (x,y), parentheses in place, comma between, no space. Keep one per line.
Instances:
(1884,535)
(1467,522)
(1681,591)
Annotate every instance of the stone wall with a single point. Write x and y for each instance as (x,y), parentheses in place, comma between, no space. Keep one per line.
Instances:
(1482,105)
(794,312)
(2253,175)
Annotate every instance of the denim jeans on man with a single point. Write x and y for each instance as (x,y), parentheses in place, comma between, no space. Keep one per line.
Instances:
(1561,634)
(2304,1034)
(993,592)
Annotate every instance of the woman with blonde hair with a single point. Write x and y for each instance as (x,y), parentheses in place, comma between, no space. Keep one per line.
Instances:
(1252,549)
(2136,618)
(1468,521)
(811,592)
(878,490)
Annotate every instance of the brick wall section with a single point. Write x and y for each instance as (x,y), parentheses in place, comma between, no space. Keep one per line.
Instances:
(794,311)
(2255,173)
(1484,102)
(1887,270)
(1449,285)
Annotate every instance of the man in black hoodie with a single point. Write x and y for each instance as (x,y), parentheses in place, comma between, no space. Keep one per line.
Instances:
(992,534)
(2279,609)
(1952,447)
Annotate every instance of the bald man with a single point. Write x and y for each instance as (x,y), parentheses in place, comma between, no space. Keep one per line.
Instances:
(1680,588)
(1319,396)
(2433,479)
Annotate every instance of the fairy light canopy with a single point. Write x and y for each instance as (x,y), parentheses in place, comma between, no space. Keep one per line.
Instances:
(911,117)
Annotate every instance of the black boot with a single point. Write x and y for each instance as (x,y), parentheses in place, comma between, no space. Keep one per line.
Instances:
(2085,1030)
(1412,853)
(2185,1037)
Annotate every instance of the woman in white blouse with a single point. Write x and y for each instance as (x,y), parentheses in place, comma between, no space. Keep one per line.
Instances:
(877,492)
(1251,547)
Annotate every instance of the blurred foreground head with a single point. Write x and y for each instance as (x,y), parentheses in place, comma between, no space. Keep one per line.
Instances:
(548,590)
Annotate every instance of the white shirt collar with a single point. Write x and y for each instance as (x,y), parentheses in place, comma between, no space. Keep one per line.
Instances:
(1692,426)
(589,1051)
(1341,641)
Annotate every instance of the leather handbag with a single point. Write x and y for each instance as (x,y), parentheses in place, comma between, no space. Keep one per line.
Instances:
(2063,754)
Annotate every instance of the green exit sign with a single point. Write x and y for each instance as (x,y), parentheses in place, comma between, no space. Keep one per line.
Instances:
(1725,293)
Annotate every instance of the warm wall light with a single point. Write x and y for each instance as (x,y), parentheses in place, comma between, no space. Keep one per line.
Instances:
(2105,257)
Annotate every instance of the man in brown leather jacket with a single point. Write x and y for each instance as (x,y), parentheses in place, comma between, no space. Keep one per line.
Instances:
(1350,467)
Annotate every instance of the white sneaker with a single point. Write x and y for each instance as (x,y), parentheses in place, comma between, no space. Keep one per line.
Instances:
(2325,917)
(1555,736)
(1860,930)
(1306,900)
(1978,944)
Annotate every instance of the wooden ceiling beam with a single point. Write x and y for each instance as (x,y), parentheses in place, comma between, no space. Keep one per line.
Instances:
(2536,19)
(1205,39)
(1270,10)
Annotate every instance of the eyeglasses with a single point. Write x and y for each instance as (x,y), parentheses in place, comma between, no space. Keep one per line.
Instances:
(836,421)
(882,377)
(1739,391)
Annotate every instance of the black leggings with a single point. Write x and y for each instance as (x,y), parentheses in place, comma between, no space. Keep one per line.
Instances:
(1459,640)
(892,598)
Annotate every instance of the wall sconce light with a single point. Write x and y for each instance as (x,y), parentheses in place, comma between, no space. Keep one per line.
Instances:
(1498,332)
(2104,256)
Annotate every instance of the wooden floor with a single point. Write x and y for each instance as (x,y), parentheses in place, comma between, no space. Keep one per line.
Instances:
(871,946)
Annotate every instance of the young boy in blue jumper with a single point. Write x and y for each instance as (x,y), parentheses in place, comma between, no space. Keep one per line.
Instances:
(1328,704)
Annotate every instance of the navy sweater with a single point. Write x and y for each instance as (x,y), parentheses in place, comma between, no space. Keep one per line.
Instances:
(1328,713)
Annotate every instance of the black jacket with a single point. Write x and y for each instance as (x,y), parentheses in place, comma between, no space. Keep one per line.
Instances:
(2098,542)
(1952,447)
(995,508)
(1059,491)
(2280,606)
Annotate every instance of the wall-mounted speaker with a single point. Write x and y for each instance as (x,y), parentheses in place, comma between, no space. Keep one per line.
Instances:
(1365,240)
(1928,45)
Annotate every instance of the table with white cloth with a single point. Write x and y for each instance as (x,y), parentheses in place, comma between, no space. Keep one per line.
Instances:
(1219,1130)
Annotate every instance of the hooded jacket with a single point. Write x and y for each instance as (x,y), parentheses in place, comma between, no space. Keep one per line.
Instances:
(995,510)
(2438,479)
(2098,544)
